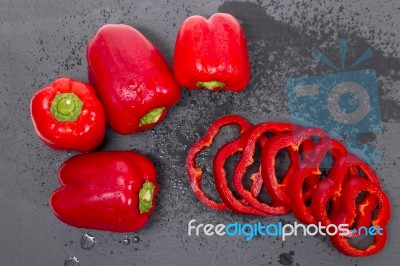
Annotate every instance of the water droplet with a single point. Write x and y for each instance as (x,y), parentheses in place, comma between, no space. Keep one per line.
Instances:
(135,239)
(126,241)
(87,242)
(71,261)
(43,183)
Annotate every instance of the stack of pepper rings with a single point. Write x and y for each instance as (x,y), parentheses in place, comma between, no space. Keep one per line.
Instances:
(349,193)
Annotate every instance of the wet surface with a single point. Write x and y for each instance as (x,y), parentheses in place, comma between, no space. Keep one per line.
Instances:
(286,258)
(42,40)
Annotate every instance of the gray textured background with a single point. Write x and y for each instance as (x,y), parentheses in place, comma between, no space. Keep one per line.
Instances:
(45,39)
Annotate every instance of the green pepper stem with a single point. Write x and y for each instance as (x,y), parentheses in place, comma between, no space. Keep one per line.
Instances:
(210,84)
(66,107)
(146,194)
(151,117)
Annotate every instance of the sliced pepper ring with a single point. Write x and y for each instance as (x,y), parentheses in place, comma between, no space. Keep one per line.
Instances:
(329,189)
(236,205)
(249,147)
(307,152)
(348,213)
(310,168)
(268,155)
(306,167)
(195,172)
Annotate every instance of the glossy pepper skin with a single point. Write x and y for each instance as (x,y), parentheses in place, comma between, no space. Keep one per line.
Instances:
(67,115)
(132,78)
(212,54)
(112,191)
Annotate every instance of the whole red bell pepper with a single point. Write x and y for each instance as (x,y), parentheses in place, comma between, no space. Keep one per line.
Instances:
(112,191)
(212,54)
(67,115)
(132,77)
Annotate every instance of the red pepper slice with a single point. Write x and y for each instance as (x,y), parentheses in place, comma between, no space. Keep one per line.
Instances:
(67,115)
(329,189)
(247,159)
(309,168)
(212,54)
(364,208)
(351,189)
(195,172)
(236,205)
(230,149)
(285,192)
(364,212)
(307,152)
(112,191)
(303,183)
(132,78)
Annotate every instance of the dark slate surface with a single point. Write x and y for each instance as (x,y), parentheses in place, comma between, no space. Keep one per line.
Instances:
(45,39)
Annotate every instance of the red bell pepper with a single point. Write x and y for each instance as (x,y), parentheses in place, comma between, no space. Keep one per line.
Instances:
(212,54)
(112,191)
(132,77)
(67,115)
